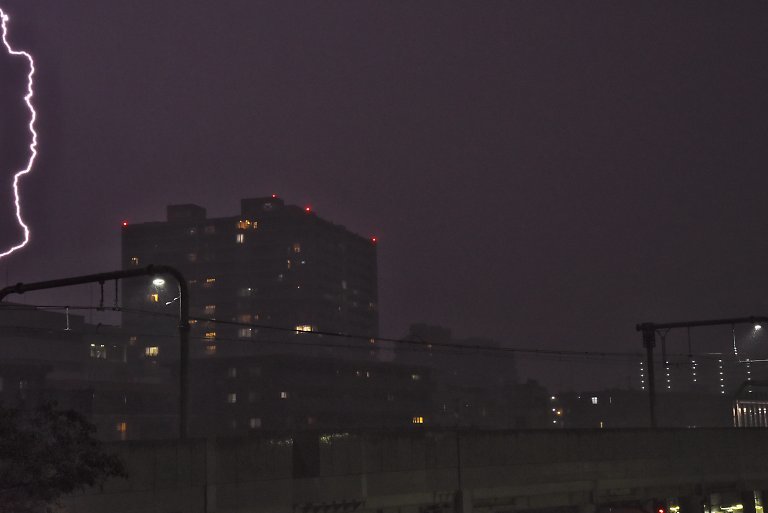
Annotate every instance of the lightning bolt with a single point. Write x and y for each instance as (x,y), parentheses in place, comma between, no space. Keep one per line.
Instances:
(33,144)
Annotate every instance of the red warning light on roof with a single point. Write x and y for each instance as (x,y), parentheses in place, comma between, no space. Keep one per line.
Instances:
(125,223)
(274,195)
(374,240)
(307,209)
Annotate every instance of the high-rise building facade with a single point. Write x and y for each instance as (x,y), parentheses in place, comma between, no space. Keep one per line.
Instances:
(272,266)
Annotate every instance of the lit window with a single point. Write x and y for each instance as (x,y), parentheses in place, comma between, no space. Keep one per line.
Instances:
(245,291)
(98,351)
(283,395)
(155,298)
(243,224)
(134,261)
(245,332)
(192,231)
(210,309)
(151,351)
(210,349)
(288,263)
(231,398)
(594,400)
(244,318)
(280,277)
(415,377)
(418,420)
(255,423)
(209,282)
(232,372)
(132,340)
(304,327)
(344,284)
(210,229)
(296,247)
(122,427)
(240,238)
(210,335)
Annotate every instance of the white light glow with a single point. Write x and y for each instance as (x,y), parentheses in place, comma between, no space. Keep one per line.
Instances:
(158,282)
(33,143)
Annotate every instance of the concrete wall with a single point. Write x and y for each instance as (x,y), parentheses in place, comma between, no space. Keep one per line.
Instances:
(418,472)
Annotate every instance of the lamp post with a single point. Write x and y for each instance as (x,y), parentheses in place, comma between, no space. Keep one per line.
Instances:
(151,270)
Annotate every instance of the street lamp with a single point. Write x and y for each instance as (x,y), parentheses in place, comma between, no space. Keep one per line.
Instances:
(151,270)
(158,282)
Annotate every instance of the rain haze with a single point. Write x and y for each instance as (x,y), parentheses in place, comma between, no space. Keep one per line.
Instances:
(436,219)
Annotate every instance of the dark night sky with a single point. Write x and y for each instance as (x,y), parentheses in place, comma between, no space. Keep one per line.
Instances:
(547,173)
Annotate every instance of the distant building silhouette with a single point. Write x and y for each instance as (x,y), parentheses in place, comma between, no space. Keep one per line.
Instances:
(58,357)
(474,381)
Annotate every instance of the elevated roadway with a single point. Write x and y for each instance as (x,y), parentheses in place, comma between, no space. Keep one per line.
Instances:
(580,471)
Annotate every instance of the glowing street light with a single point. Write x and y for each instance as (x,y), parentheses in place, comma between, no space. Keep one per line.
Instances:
(758,327)
(158,282)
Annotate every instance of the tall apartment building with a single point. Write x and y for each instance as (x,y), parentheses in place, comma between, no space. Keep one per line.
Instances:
(273,265)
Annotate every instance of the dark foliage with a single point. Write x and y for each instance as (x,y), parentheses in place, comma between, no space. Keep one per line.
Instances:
(47,453)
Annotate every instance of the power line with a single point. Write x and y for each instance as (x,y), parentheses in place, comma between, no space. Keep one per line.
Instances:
(441,352)
(420,345)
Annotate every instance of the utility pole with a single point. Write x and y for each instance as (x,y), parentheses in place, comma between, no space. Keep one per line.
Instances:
(151,270)
(649,330)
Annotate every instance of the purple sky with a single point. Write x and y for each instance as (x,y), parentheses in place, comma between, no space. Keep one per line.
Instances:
(547,173)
